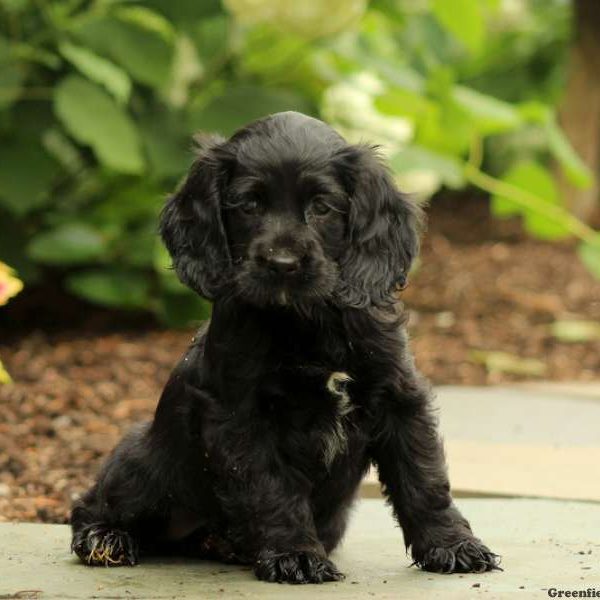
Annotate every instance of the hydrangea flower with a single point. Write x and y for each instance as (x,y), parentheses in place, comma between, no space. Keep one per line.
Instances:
(349,107)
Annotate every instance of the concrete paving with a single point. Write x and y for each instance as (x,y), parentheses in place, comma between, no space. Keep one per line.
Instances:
(520,415)
(523,440)
(544,544)
(535,440)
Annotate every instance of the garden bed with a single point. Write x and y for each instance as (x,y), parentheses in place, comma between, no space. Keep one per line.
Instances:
(482,287)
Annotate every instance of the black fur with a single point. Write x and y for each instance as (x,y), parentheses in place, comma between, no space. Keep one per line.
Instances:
(302,379)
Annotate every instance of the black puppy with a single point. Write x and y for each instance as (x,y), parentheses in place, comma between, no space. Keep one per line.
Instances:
(302,379)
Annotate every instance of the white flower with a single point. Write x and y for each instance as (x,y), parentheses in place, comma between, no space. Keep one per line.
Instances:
(512,14)
(422,183)
(349,108)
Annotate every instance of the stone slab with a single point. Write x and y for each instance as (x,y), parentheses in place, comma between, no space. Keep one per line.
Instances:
(544,544)
(535,440)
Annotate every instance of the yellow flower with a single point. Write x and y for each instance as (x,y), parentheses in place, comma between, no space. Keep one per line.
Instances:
(4,376)
(9,284)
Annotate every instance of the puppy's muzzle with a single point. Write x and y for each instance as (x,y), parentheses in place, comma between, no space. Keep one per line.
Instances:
(284,256)
(279,262)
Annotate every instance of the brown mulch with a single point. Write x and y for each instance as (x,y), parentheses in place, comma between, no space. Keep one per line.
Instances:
(485,286)
(481,285)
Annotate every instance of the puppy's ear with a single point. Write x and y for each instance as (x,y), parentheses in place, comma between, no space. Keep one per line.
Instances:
(191,225)
(383,231)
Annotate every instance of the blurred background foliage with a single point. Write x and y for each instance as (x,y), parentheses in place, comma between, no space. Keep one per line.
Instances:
(99,99)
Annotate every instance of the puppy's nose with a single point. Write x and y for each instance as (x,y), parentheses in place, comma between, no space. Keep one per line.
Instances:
(282,262)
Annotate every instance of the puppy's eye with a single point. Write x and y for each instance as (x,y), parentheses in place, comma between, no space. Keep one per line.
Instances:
(250,206)
(319,207)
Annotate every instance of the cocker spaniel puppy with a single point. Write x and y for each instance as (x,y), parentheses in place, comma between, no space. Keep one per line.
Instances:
(301,380)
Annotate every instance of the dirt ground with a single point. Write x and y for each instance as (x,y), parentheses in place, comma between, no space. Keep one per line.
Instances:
(485,287)
(481,288)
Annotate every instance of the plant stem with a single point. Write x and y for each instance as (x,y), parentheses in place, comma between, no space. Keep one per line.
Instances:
(532,202)
(497,187)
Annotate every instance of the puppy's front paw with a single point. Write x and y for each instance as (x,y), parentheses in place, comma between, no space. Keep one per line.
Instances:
(96,545)
(468,555)
(295,567)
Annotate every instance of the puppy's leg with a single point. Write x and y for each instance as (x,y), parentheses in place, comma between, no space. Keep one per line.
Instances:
(270,520)
(286,546)
(331,526)
(333,499)
(121,508)
(409,454)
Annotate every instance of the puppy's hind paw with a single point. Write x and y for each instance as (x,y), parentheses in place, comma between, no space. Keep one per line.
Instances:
(295,567)
(469,555)
(97,545)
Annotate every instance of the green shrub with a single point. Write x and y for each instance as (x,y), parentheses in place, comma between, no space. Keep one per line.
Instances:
(98,101)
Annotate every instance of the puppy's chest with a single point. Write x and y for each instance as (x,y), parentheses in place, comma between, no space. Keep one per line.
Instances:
(305,389)
(309,409)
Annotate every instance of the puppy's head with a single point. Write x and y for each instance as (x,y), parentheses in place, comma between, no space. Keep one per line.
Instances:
(285,212)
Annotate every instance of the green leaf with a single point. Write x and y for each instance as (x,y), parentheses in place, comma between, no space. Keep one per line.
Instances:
(168,155)
(169,281)
(464,20)
(11,83)
(136,247)
(210,37)
(5,50)
(162,260)
(146,19)
(268,53)
(63,150)
(490,114)
(590,256)
(492,5)
(447,130)
(98,69)
(575,169)
(186,13)
(576,331)
(14,236)
(504,362)
(37,55)
(533,111)
(449,169)
(399,102)
(170,284)
(92,117)
(141,46)
(11,76)
(113,288)
(26,172)
(130,204)
(14,6)
(538,181)
(182,310)
(69,244)
(241,104)
(167,146)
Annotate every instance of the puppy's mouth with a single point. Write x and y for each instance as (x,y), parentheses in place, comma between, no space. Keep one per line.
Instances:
(264,286)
